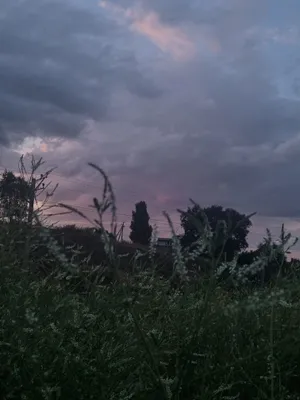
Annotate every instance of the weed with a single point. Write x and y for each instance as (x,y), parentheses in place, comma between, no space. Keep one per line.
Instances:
(67,334)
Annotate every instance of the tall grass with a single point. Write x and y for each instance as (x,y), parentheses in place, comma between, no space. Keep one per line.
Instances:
(68,335)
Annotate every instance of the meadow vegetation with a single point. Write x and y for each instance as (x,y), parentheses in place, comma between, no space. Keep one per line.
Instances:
(121,326)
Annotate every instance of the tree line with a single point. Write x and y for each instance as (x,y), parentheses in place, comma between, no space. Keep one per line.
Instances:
(193,220)
(228,227)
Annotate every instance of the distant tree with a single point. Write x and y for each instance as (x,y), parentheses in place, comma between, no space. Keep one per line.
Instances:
(238,226)
(14,197)
(141,230)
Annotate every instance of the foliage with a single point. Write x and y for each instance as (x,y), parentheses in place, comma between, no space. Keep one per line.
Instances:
(14,197)
(141,230)
(141,339)
(229,228)
(267,264)
(67,334)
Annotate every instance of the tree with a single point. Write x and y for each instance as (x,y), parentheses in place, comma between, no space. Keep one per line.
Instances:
(238,226)
(14,197)
(141,230)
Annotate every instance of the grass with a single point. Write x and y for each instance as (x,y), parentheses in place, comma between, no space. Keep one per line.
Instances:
(67,335)
(139,339)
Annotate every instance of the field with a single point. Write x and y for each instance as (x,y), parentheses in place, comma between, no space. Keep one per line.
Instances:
(70,335)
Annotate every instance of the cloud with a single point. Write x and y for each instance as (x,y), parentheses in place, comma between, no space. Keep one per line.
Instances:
(289,36)
(218,121)
(60,63)
(167,38)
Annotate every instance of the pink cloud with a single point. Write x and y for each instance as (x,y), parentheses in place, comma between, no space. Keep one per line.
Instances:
(168,39)
(44,148)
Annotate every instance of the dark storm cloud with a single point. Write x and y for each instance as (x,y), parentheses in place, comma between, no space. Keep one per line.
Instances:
(240,106)
(59,64)
(220,126)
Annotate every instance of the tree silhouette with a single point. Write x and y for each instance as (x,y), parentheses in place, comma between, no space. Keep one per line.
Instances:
(14,197)
(237,227)
(141,230)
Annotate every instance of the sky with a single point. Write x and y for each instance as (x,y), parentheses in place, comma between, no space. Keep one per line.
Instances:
(174,99)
